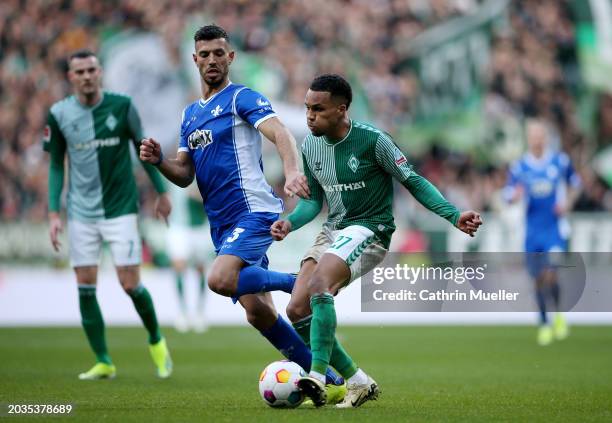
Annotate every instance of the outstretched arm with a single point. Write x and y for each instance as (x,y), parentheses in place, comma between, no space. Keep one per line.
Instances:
(179,171)
(393,161)
(295,182)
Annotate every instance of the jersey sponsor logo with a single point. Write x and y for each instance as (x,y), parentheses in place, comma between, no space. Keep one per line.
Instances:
(200,138)
(353,163)
(106,142)
(353,186)
(111,122)
(216,111)
(541,188)
(47,134)
(399,157)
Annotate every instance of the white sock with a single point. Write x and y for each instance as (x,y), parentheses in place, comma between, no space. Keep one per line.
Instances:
(359,378)
(318,376)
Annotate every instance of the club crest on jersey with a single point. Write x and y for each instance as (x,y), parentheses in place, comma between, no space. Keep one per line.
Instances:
(200,138)
(353,163)
(216,111)
(111,122)
(399,157)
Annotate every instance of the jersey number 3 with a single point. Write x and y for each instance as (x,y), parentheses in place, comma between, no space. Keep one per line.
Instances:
(235,235)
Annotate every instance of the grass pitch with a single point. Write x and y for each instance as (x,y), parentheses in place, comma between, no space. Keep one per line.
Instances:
(426,374)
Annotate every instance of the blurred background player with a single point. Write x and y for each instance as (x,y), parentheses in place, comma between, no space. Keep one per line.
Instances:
(220,145)
(351,165)
(95,129)
(187,242)
(546,180)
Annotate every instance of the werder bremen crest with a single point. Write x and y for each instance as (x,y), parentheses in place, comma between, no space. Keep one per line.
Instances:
(353,163)
(111,122)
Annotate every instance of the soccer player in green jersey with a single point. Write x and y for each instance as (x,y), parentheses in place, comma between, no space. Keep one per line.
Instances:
(188,246)
(95,128)
(350,165)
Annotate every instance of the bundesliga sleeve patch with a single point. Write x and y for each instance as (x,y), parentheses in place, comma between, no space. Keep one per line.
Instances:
(399,157)
(47,134)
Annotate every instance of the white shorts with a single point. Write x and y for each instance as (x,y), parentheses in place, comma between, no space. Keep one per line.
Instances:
(189,243)
(357,245)
(121,233)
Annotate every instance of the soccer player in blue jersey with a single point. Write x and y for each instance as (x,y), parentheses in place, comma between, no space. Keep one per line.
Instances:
(220,144)
(549,185)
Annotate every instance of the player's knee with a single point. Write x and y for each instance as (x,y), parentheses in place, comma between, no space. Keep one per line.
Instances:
(318,284)
(129,278)
(296,311)
(222,284)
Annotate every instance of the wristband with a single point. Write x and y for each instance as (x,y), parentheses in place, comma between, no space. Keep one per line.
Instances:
(161,158)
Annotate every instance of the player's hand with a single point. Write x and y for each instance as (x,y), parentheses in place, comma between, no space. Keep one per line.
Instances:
(55,228)
(280,229)
(150,151)
(297,184)
(163,207)
(468,222)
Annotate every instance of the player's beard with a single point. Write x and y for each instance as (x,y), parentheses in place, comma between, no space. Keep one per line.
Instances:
(216,80)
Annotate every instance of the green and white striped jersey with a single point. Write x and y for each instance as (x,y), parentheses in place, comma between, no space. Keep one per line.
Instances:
(101,179)
(354,175)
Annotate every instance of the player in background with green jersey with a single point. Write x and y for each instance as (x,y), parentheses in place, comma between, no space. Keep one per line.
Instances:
(95,128)
(188,246)
(351,166)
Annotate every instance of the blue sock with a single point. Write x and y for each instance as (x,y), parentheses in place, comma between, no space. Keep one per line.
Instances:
(255,279)
(554,293)
(285,339)
(541,300)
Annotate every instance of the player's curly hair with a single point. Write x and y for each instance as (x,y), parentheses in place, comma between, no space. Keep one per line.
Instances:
(210,32)
(334,84)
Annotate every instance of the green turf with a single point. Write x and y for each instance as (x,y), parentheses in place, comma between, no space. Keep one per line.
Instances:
(426,374)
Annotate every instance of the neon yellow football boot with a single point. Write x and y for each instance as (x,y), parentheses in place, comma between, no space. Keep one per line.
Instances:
(161,358)
(99,371)
(560,327)
(545,335)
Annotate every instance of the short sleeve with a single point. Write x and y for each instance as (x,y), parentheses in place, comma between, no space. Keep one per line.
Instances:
(183,145)
(569,174)
(53,139)
(253,107)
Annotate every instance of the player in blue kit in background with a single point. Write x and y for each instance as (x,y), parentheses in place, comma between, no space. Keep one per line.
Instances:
(220,144)
(549,185)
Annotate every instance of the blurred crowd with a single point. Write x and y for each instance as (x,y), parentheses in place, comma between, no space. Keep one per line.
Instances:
(533,72)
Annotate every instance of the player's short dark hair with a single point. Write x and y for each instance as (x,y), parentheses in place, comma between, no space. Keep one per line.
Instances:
(81,54)
(210,32)
(334,84)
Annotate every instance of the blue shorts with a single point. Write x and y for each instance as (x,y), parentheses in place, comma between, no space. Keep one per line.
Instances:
(538,257)
(249,238)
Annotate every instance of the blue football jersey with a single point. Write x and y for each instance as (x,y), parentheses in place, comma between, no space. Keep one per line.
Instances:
(220,134)
(545,182)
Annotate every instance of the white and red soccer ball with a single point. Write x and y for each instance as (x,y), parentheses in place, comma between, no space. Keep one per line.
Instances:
(278,384)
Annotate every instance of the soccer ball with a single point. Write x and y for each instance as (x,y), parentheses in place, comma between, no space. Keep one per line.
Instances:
(278,384)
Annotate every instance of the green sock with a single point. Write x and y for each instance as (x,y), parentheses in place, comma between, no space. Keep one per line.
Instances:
(93,323)
(146,310)
(339,359)
(322,331)
(180,290)
(203,289)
